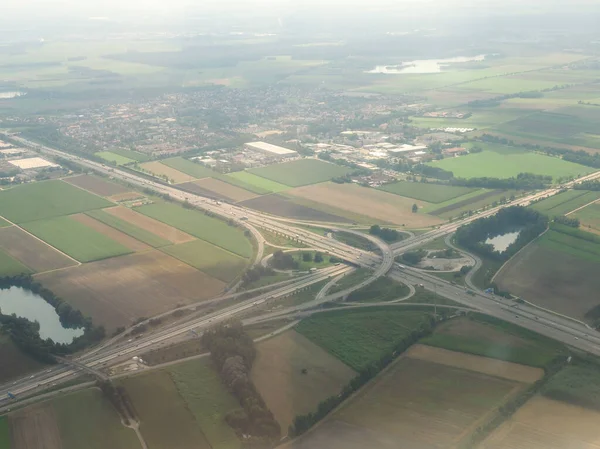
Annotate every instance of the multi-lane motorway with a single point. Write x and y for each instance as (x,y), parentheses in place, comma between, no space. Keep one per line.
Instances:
(563,329)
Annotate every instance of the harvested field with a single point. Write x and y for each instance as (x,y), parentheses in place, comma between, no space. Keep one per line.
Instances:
(379,206)
(127,196)
(111,233)
(122,226)
(141,285)
(165,420)
(47,199)
(161,170)
(229,191)
(76,239)
(285,207)
(546,424)
(35,427)
(422,404)
(156,227)
(32,252)
(569,287)
(277,374)
(484,365)
(96,185)
(209,258)
(87,419)
(15,362)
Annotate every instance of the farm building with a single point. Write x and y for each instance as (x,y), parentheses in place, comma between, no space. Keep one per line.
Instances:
(271,150)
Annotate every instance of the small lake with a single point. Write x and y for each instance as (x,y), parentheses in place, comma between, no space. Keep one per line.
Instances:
(27,304)
(502,242)
(423,65)
(6,95)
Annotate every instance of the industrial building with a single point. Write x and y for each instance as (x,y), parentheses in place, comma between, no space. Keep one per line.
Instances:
(271,150)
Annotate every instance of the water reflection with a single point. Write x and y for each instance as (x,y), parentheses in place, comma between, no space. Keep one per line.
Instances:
(423,65)
(502,242)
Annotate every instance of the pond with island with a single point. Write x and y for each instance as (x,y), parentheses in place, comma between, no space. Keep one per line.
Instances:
(26,304)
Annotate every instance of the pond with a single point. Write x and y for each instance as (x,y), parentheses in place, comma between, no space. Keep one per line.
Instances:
(26,304)
(14,94)
(503,241)
(423,65)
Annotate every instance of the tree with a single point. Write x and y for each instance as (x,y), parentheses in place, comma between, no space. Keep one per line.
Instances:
(307,257)
(318,257)
(415,208)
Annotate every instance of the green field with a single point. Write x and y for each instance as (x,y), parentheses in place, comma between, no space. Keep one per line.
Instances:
(199,225)
(500,161)
(10,266)
(189,168)
(565,202)
(490,337)
(356,277)
(128,154)
(454,202)
(208,400)
(432,193)
(4,223)
(576,384)
(211,259)
(359,336)
(589,217)
(109,156)
(472,201)
(47,199)
(127,228)
(254,183)
(4,433)
(76,239)
(99,427)
(572,241)
(301,172)
(383,289)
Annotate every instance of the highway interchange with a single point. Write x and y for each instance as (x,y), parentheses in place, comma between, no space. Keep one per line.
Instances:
(566,330)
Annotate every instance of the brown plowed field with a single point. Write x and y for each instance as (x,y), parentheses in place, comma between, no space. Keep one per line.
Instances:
(378,205)
(35,427)
(96,185)
(117,236)
(232,192)
(547,424)
(485,365)
(116,291)
(161,169)
(277,374)
(32,252)
(127,196)
(156,227)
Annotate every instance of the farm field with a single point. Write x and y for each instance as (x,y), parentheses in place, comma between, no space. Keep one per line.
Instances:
(200,225)
(301,172)
(474,201)
(208,400)
(256,184)
(111,232)
(10,266)
(143,284)
(161,170)
(127,196)
(34,427)
(115,158)
(76,239)
(500,161)
(378,206)
(4,223)
(383,289)
(165,420)
(4,434)
(277,374)
(432,193)
(17,363)
(570,287)
(419,402)
(358,337)
(98,428)
(589,218)
(494,340)
(96,185)
(565,202)
(196,171)
(32,252)
(226,190)
(150,225)
(576,384)
(208,258)
(282,206)
(47,199)
(125,227)
(135,155)
(544,423)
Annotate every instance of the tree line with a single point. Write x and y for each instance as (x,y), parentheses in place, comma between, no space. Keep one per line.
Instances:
(386,234)
(529,222)
(304,422)
(233,353)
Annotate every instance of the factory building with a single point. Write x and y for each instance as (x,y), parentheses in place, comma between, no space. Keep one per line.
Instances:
(271,150)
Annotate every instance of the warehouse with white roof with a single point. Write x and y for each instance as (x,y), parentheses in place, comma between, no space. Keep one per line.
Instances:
(271,150)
